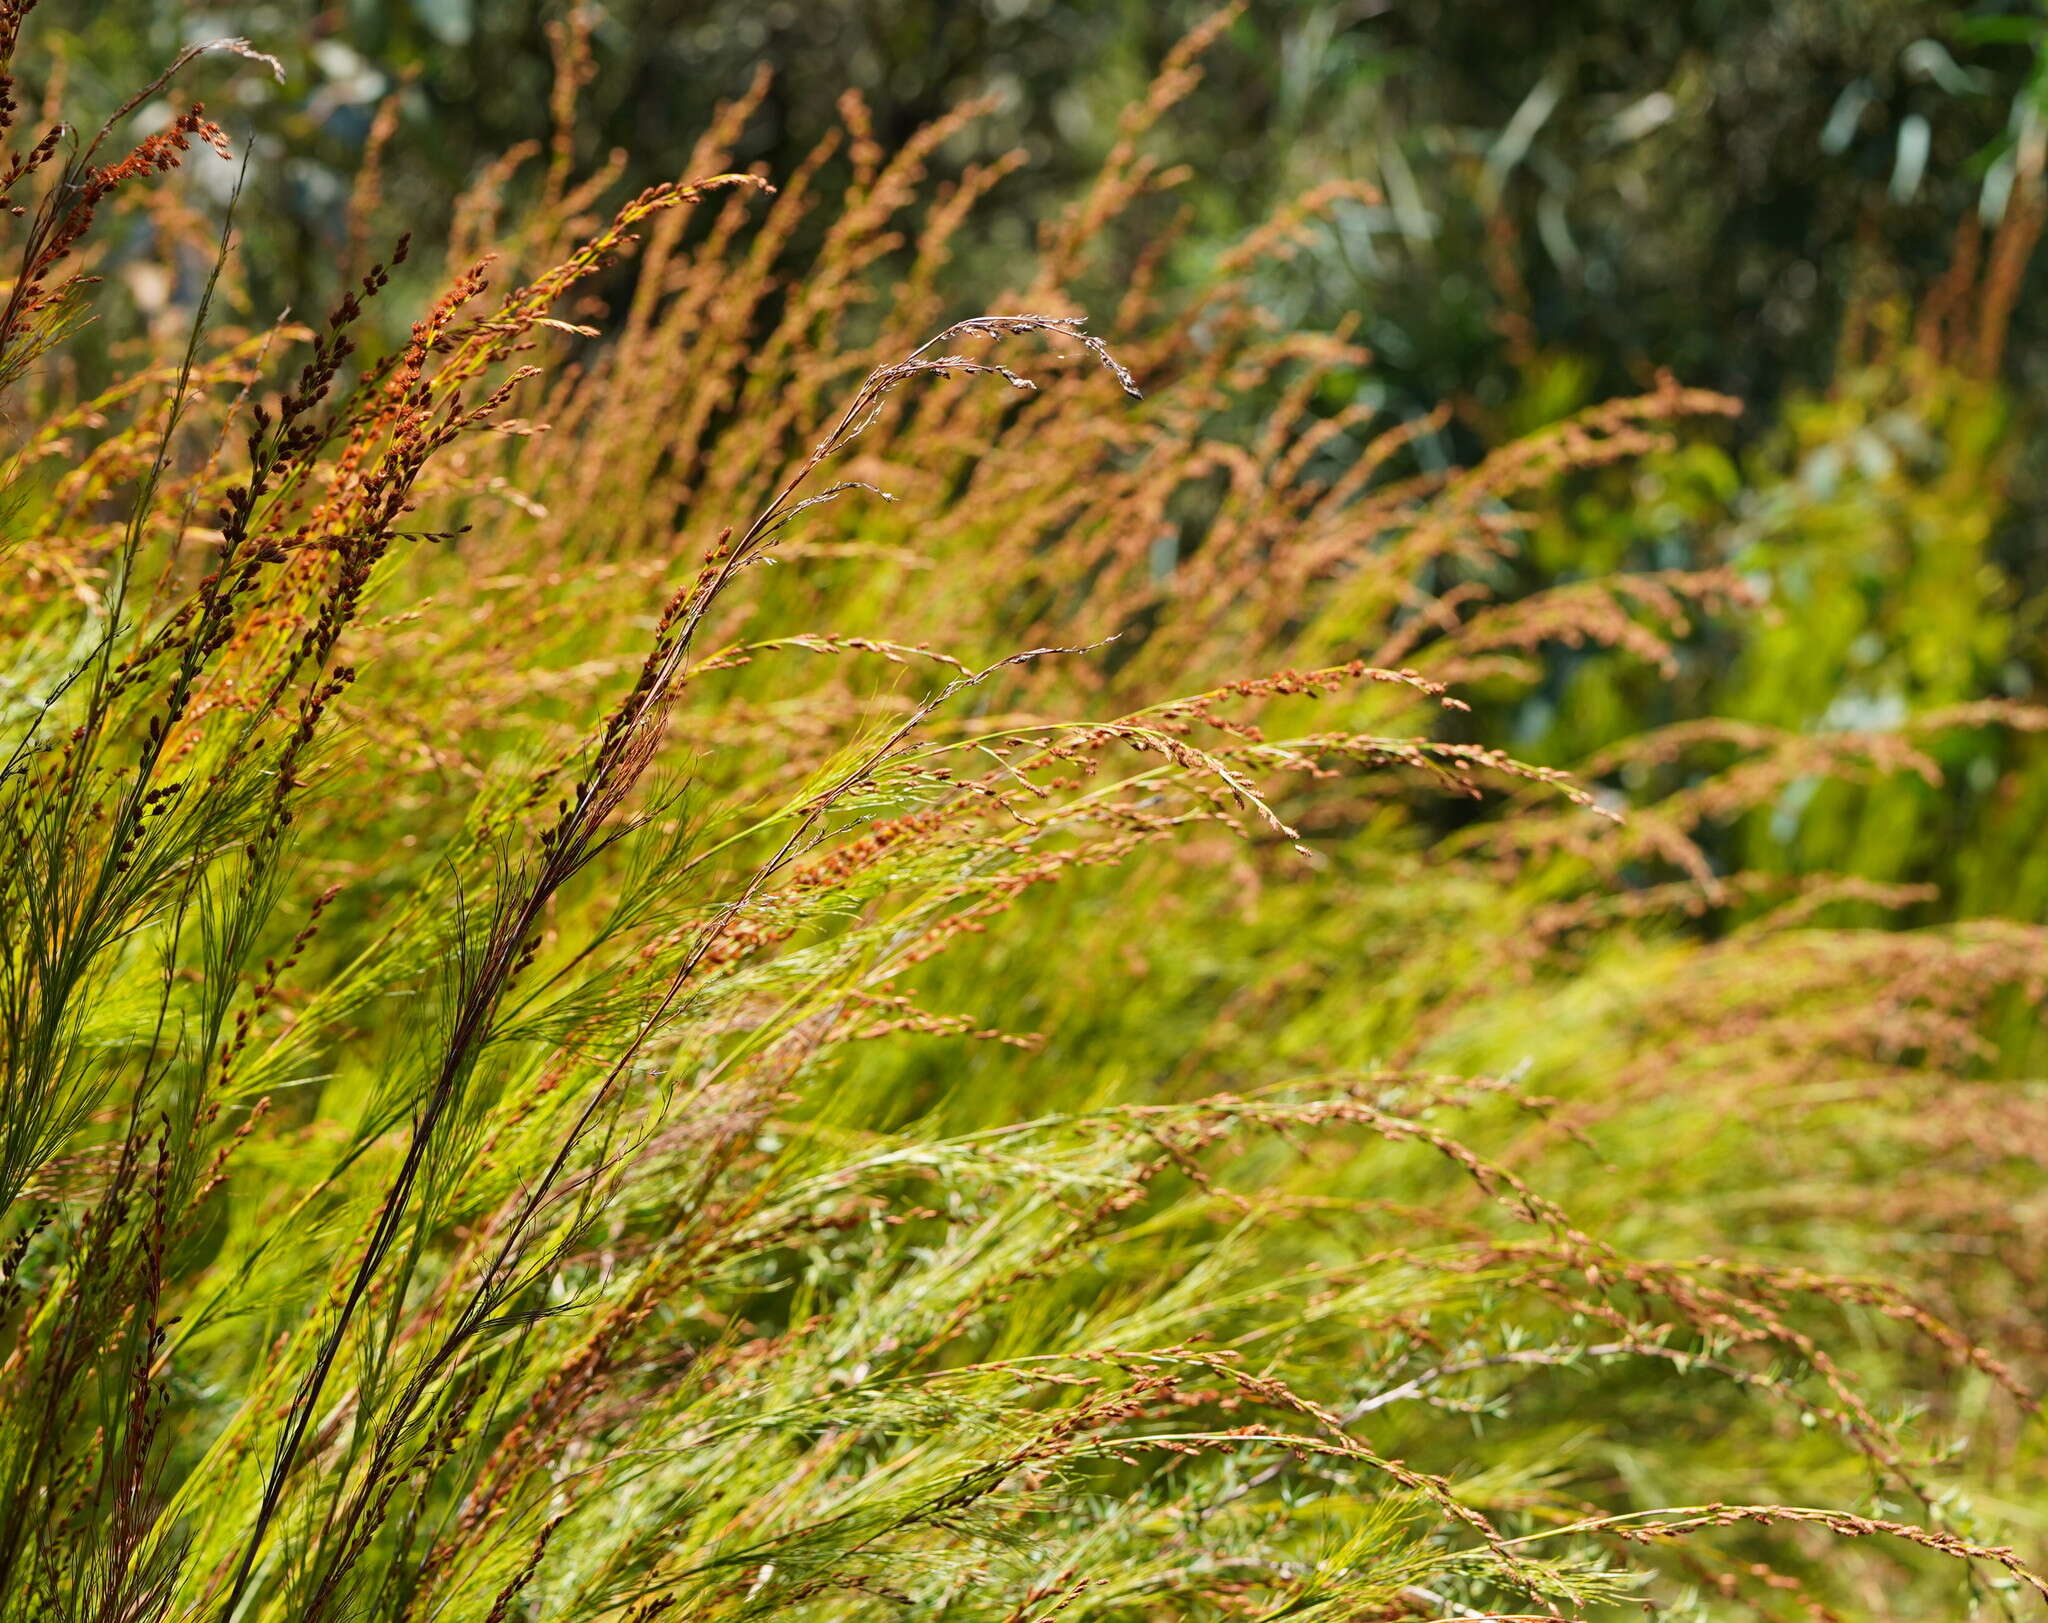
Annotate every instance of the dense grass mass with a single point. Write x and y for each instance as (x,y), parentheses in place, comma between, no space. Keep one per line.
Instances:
(713,943)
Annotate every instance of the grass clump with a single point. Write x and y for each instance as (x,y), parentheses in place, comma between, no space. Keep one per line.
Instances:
(599,1023)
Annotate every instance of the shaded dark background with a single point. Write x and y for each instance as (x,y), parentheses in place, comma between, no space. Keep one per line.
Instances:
(1695,184)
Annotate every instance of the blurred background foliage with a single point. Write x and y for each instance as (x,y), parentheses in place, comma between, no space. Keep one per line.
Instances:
(1703,186)
(1825,207)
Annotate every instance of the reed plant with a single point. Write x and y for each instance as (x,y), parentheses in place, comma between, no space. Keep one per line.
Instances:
(714,942)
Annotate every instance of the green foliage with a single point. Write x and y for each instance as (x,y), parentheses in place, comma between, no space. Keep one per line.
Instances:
(598,1022)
